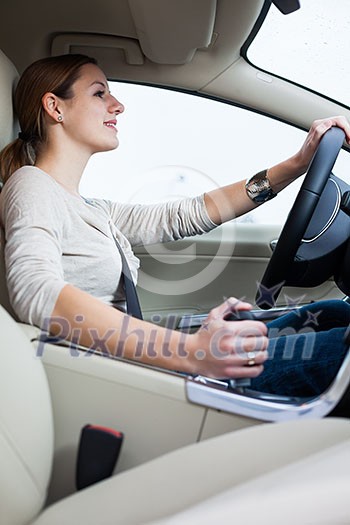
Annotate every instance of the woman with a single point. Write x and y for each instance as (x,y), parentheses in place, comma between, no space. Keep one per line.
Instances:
(62,258)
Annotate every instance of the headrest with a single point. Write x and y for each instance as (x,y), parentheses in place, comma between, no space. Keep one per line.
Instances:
(8,80)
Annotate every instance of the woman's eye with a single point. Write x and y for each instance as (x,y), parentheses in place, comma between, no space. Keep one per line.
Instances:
(99,94)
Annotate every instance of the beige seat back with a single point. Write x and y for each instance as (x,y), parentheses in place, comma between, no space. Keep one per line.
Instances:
(8,80)
(8,130)
(26,426)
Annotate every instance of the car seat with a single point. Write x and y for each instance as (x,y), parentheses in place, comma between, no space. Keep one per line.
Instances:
(269,472)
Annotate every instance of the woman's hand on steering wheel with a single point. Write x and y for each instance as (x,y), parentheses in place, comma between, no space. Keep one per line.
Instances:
(318,128)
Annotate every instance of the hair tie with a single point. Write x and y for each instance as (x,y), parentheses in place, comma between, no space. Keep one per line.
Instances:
(24,136)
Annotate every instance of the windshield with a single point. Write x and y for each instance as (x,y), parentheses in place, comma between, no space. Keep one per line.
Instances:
(310,46)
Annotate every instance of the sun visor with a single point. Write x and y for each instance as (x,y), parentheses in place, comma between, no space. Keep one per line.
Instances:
(101,47)
(171,31)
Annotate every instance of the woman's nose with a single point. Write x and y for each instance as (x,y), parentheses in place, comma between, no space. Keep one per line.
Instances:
(116,106)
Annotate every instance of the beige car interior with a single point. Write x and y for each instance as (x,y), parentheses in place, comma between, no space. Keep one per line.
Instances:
(193,452)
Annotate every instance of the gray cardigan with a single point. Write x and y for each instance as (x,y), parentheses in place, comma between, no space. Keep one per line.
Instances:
(53,237)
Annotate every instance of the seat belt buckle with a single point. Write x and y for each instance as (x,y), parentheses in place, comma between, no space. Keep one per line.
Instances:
(98,452)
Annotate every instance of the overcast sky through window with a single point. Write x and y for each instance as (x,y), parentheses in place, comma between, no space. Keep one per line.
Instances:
(310,46)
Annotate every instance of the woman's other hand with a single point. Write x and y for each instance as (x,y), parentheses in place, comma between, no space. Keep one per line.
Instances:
(228,349)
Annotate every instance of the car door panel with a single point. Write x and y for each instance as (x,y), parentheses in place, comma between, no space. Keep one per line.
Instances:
(196,274)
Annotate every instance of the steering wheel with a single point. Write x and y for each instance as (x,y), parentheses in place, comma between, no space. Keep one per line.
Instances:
(284,259)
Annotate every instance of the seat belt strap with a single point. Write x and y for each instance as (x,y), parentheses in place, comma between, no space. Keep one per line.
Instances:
(132,301)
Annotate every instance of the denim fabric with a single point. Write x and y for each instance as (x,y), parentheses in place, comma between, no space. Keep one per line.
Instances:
(306,349)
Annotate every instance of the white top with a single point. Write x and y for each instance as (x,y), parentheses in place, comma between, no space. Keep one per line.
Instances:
(53,238)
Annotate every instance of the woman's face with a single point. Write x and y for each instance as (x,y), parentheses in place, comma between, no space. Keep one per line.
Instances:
(89,118)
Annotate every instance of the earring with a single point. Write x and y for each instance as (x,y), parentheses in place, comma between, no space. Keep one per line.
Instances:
(59,118)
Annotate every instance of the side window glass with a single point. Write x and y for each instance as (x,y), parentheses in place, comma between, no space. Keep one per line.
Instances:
(174,144)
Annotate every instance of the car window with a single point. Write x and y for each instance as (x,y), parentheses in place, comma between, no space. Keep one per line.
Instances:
(310,46)
(175,144)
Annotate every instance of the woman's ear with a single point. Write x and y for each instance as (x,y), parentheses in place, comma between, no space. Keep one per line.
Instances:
(51,106)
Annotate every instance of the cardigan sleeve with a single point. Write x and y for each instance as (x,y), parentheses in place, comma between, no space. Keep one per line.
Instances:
(153,223)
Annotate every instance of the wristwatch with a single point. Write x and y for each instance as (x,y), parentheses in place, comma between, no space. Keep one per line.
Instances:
(258,188)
